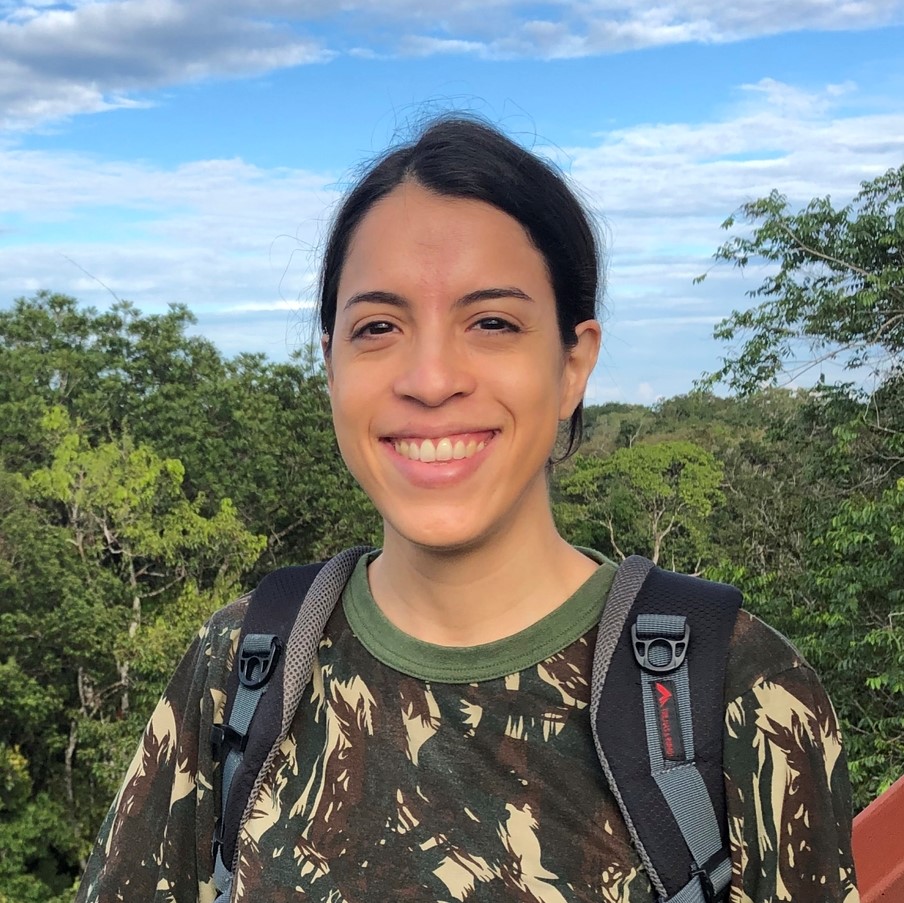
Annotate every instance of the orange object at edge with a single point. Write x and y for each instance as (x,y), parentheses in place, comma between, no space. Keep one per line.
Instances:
(879,847)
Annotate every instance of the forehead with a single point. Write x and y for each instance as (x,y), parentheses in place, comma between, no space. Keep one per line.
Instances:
(414,233)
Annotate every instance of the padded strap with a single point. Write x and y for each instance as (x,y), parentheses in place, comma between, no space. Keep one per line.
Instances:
(660,647)
(292,605)
(658,725)
(239,747)
(256,663)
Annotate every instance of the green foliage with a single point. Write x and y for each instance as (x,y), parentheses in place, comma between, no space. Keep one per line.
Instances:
(264,439)
(35,831)
(144,482)
(103,369)
(861,632)
(842,603)
(834,289)
(246,429)
(650,498)
(614,425)
(818,498)
(125,506)
(810,522)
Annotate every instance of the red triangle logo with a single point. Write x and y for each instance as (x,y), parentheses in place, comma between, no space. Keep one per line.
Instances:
(665,694)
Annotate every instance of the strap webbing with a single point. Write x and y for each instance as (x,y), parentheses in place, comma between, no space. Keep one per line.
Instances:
(653,679)
(253,663)
(222,879)
(665,639)
(254,647)
(694,891)
(291,604)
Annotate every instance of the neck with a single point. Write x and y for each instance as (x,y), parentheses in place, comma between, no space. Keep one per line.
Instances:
(466,597)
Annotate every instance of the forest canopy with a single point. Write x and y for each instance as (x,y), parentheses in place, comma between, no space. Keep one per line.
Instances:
(146,480)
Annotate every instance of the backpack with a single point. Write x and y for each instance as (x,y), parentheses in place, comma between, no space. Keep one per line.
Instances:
(657,711)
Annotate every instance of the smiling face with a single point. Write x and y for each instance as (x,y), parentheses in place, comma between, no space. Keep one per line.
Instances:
(447,373)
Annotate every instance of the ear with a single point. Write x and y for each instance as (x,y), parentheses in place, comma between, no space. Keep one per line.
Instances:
(579,363)
(327,358)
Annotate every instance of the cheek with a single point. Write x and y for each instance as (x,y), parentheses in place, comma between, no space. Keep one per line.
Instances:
(347,414)
(538,399)
(544,377)
(354,404)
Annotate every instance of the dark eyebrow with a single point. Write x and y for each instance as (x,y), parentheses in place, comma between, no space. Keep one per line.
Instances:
(481,294)
(376,297)
(492,294)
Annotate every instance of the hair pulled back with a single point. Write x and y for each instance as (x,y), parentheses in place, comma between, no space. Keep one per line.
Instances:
(455,156)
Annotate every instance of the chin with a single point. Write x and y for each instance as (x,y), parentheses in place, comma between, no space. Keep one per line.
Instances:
(446,536)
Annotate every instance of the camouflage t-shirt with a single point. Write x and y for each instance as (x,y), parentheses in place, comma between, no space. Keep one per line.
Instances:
(414,772)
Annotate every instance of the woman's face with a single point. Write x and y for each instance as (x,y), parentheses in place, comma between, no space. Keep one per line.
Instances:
(447,373)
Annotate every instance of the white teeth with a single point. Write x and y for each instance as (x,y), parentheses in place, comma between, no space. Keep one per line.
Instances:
(430,450)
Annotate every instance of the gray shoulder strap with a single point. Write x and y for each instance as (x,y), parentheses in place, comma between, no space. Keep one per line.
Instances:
(258,652)
(657,712)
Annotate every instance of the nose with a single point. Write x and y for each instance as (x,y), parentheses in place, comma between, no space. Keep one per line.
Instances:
(435,371)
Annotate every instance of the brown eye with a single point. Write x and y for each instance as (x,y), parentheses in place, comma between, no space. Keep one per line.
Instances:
(496,324)
(373,329)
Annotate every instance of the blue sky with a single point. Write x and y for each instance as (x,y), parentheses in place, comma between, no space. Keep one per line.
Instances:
(174,151)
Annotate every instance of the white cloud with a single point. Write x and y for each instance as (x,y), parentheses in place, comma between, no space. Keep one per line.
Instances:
(662,185)
(238,242)
(269,306)
(423,45)
(667,321)
(213,233)
(88,56)
(665,188)
(575,28)
(646,394)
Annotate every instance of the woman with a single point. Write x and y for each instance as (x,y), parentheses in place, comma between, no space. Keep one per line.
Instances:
(442,748)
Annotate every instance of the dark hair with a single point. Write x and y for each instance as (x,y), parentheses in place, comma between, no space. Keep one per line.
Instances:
(464,158)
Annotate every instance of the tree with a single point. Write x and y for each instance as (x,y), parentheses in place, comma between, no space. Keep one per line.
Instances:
(106,570)
(40,837)
(651,499)
(126,512)
(144,482)
(247,429)
(834,289)
(860,564)
(103,368)
(261,434)
(830,570)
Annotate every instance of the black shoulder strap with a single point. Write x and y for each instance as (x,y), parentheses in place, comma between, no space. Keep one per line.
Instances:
(658,713)
(254,701)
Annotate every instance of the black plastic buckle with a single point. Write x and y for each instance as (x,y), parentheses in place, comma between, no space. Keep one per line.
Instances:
(704,874)
(706,883)
(255,668)
(225,736)
(217,843)
(677,650)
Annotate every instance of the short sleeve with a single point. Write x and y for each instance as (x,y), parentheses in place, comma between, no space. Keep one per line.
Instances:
(154,844)
(788,793)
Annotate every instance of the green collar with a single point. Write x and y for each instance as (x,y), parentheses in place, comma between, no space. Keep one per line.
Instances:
(488,661)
